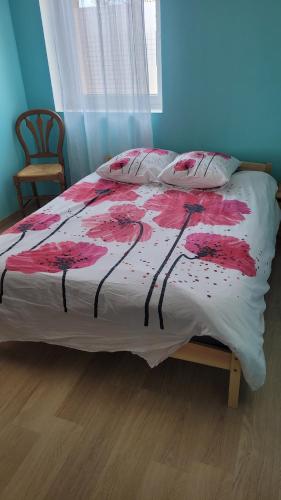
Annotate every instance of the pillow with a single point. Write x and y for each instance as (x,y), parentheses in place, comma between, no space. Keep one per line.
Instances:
(138,166)
(199,169)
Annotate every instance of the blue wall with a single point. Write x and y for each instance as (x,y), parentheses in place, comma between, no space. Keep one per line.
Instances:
(32,53)
(221,74)
(222,78)
(12,103)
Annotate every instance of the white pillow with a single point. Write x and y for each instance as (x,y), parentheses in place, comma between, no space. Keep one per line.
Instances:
(199,169)
(138,166)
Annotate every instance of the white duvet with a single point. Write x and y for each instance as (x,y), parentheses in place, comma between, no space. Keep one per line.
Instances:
(108,267)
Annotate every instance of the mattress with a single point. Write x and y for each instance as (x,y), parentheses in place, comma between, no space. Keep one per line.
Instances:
(109,266)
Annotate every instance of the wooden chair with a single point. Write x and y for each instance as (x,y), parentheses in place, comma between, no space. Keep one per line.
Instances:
(38,132)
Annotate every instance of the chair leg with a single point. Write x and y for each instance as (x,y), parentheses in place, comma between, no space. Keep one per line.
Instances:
(35,193)
(62,183)
(19,195)
(234,382)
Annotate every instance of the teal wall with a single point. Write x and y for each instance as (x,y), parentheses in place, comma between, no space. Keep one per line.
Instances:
(222,78)
(32,53)
(221,74)
(12,102)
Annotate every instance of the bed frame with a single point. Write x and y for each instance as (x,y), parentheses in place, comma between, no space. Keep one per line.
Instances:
(217,356)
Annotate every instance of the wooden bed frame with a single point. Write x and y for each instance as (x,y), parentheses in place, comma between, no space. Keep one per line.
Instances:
(217,356)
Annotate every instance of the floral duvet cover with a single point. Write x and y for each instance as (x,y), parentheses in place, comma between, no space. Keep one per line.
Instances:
(111,266)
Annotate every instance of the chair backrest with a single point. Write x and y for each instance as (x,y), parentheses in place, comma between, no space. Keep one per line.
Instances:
(40,129)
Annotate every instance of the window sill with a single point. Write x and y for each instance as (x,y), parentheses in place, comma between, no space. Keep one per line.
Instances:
(153,111)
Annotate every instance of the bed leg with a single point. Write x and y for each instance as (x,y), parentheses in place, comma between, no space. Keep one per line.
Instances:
(234,382)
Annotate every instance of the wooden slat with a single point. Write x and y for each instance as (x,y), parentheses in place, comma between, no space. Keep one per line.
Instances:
(259,167)
(205,355)
(234,382)
(41,132)
(32,129)
(51,154)
(49,127)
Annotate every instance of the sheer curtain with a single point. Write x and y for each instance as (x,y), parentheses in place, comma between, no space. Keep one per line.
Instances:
(98,63)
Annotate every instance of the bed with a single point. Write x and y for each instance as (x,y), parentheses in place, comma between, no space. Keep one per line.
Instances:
(149,269)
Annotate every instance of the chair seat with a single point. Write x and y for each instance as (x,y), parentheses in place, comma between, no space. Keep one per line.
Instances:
(40,170)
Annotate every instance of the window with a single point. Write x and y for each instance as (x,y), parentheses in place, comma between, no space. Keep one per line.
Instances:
(90,57)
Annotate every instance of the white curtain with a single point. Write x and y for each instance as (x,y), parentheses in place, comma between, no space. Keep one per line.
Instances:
(98,63)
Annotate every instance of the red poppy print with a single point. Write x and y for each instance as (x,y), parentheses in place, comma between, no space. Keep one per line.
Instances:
(179,210)
(160,152)
(204,154)
(198,154)
(213,155)
(222,155)
(143,153)
(226,251)
(183,165)
(35,222)
(136,152)
(99,191)
(119,224)
(206,207)
(133,153)
(90,193)
(119,164)
(55,258)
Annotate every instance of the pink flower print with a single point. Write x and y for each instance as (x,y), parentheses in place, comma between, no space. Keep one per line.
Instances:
(119,164)
(55,258)
(90,193)
(183,165)
(120,224)
(226,251)
(97,192)
(179,210)
(134,152)
(160,152)
(206,207)
(198,154)
(123,224)
(222,155)
(34,222)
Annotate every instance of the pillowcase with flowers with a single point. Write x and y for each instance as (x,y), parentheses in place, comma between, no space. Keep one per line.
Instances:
(137,166)
(199,169)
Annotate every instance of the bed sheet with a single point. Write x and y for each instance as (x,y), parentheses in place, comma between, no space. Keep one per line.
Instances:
(109,266)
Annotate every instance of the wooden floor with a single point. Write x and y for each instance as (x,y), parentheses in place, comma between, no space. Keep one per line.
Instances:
(76,426)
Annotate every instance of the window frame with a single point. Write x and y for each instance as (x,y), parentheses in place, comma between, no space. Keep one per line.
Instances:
(156,101)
